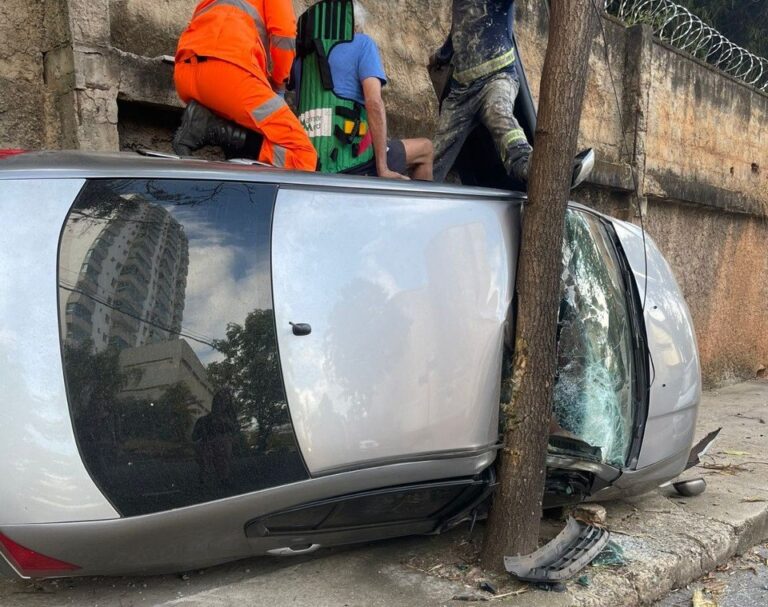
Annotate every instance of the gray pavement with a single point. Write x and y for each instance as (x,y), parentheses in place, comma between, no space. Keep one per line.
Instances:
(668,542)
(742,582)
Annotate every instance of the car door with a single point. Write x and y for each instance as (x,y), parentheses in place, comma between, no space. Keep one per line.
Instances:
(407,295)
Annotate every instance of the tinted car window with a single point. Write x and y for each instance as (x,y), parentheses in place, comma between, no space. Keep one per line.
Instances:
(169,343)
(594,391)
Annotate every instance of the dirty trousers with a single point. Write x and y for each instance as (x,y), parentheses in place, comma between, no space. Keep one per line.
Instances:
(247,99)
(489,101)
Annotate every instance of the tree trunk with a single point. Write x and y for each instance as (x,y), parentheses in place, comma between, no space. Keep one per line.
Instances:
(513,526)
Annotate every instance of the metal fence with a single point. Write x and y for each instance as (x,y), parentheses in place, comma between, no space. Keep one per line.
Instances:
(682,29)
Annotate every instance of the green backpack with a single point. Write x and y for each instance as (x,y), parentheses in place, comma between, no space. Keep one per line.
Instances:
(337,127)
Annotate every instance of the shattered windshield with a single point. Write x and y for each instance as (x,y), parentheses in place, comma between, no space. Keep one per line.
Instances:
(593,400)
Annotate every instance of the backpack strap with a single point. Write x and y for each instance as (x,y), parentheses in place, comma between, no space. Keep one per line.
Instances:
(336,126)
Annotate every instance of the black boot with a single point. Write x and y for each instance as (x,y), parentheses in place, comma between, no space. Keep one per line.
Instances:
(200,127)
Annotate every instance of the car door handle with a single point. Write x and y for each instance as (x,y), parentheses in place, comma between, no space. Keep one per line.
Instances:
(294,551)
(301,329)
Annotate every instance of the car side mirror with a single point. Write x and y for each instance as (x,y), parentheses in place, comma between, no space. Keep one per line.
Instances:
(583,165)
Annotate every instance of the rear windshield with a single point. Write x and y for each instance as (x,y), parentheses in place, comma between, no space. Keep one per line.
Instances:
(594,398)
(169,343)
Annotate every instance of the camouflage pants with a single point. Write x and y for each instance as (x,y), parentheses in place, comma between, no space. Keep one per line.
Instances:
(489,101)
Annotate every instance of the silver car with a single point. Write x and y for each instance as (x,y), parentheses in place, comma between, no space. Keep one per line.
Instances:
(204,361)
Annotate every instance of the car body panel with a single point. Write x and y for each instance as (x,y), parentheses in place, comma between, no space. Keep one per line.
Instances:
(387,371)
(84,165)
(5,568)
(41,468)
(675,389)
(211,533)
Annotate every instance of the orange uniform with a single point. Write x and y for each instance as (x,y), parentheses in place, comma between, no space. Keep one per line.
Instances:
(231,58)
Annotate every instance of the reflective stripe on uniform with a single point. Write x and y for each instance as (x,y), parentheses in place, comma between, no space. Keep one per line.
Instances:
(515,137)
(283,42)
(489,67)
(266,109)
(278,156)
(247,7)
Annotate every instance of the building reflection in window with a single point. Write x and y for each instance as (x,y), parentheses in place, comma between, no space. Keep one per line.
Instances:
(169,342)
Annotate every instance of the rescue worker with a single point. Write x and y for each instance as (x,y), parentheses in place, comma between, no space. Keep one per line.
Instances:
(357,78)
(234,59)
(483,88)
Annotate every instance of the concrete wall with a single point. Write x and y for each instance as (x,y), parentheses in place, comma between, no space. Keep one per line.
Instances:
(29,30)
(676,139)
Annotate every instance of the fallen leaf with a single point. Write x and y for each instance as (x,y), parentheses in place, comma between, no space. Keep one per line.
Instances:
(731,469)
(591,514)
(715,586)
(699,600)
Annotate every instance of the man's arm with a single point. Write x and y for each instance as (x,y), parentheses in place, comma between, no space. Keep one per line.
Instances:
(377,124)
(281,31)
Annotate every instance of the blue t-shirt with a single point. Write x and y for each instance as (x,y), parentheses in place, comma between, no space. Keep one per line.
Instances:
(353,62)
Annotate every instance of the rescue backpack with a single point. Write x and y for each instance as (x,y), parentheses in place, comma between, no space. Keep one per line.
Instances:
(337,127)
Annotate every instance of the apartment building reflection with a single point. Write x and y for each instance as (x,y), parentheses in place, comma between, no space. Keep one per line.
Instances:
(129,294)
(132,281)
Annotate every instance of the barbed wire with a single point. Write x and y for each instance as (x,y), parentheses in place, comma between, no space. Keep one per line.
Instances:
(677,26)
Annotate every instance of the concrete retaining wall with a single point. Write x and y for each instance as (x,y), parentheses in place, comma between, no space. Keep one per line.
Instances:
(676,139)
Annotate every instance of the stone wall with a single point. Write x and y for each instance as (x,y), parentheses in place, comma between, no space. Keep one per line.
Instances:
(678,142)
(406,30)
(30,30)
(696,142)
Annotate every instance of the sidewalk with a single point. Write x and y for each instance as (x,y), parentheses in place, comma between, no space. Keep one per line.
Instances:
(667,542)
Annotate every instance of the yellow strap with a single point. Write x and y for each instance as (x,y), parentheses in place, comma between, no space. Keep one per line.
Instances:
(349,126)
(489,67)
(515,136)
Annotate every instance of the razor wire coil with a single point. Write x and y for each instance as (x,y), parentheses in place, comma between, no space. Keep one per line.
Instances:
(676,25)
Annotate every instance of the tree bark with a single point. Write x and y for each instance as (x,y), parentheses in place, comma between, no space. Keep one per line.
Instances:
(513,526)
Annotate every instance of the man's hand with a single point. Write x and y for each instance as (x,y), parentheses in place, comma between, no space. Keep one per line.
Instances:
(387,174)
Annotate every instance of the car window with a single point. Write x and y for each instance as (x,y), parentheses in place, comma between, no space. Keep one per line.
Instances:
(593,402)
(169,342)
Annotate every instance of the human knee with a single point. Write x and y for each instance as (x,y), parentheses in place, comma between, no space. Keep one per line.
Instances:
(419,150)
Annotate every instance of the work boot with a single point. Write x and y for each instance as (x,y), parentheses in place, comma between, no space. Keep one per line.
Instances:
(200,127)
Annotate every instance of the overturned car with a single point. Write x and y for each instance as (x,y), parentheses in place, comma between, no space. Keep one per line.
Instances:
(205,361)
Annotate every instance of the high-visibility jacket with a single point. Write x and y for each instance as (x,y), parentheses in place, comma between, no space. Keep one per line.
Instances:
(257,35)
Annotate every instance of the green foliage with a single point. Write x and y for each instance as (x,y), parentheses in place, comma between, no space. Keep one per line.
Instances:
(251,370)
(167,419)
(94,380)
(743,22)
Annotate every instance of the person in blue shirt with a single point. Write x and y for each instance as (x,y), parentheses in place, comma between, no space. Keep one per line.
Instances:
(483,88)
(358,74)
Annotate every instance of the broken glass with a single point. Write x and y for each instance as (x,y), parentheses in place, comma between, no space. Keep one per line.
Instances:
(593,401)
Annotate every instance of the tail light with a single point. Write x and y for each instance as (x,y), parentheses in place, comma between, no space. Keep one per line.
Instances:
(29,562)
(9,153)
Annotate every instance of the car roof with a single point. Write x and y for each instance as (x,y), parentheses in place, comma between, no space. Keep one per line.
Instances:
(112,165)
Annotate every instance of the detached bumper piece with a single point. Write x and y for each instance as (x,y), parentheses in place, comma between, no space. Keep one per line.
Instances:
(700,449)
(574,548)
